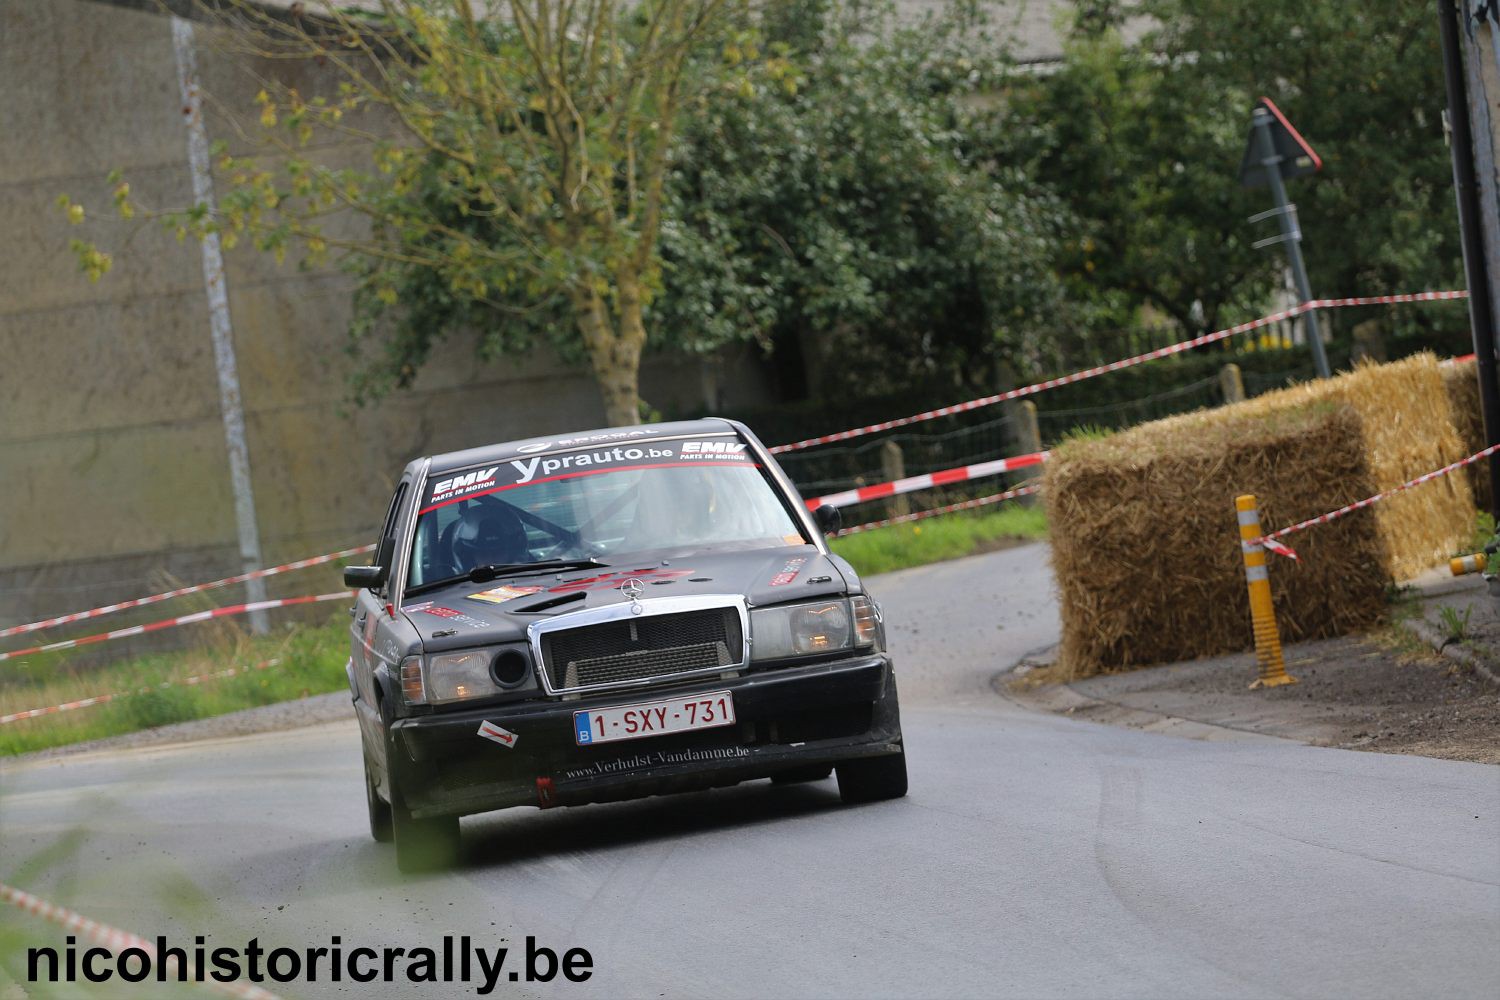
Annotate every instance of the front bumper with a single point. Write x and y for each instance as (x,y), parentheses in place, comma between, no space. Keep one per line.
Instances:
(789,717)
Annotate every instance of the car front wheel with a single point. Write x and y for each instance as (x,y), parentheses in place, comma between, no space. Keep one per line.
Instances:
(380,810)
(423,845)
(872,779)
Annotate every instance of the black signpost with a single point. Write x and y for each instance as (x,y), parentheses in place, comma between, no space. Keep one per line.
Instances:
(1275,153)
(1471,230)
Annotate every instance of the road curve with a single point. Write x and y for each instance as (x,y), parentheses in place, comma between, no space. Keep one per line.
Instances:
(1035,856)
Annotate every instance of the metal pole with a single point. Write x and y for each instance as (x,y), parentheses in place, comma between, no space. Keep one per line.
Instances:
(1291,233)
(218,311)
(1466,191)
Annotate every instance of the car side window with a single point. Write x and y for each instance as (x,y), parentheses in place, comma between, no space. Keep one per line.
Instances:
(432,557)
(385,544)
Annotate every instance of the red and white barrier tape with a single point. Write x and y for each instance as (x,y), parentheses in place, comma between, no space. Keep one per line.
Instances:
(1186,345)
(1270,541)
(924,482)
(110,609)
(199,616)
(116,940)
(101,699)
(949,509)
(1386,300)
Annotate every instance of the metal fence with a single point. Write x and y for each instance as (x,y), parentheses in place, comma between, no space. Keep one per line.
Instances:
(978,436)
(830,469)
(1055,424)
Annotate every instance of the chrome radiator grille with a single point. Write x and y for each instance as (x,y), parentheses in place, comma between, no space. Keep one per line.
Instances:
(640,648)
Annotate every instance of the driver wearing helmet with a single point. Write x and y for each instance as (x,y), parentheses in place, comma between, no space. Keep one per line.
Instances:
(491,535)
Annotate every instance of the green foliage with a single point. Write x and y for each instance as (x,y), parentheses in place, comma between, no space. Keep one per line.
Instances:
(1484,533)
(310,660)
(1455,624)
(837,213)
(1148,172)
(514,155)
(951,536)
(1085,432)
(885,207)
(154,707)
(1143,143)
(820,199)
(1367,92)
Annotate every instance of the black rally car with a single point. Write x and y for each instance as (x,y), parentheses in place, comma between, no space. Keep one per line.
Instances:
(609,615)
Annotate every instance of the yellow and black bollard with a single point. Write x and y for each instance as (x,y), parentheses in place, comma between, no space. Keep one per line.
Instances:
(1468,564)
(1262,614)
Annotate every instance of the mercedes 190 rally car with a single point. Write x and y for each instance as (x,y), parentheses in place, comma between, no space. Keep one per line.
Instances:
(609,615)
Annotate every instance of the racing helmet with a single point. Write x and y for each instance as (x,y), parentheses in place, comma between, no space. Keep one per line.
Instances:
(489,535)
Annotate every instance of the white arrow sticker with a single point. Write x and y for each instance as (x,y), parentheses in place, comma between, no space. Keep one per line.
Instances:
(504,737)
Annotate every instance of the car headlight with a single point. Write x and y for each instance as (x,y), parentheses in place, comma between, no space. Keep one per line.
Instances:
(465,674)
(813,628)
(460,675)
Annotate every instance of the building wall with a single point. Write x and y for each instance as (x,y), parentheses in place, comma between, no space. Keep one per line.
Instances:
(112,453)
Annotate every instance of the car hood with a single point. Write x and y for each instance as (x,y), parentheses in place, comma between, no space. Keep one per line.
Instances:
(470,614)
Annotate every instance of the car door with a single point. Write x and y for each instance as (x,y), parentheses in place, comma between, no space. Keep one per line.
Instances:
(366,646)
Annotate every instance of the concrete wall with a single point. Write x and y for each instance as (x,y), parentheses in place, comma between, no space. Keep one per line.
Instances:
(113,466)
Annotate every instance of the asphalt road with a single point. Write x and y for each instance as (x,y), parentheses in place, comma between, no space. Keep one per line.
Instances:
(1036,856)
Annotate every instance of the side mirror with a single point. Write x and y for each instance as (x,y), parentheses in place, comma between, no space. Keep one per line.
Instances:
(358,577)
(829,519)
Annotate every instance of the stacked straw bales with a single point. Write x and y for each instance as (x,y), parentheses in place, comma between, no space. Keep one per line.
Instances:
(1462,383)
(1144,538)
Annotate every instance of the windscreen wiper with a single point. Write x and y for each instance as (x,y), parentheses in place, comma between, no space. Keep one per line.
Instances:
(486,573)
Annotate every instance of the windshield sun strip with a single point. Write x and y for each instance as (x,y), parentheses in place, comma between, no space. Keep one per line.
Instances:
(552,452)
(590,472)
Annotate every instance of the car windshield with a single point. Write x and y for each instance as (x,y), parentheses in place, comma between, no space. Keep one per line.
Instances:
(689,494)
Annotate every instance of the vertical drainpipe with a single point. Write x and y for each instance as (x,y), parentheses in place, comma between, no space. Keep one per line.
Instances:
(219,326)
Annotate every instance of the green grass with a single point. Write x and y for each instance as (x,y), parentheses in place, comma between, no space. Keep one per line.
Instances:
(948,537)
(1484,533)
(311,662)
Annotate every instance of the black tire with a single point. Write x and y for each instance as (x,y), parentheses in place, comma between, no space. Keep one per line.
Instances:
(811,772)
(423,845)
(380,809)
(872,779)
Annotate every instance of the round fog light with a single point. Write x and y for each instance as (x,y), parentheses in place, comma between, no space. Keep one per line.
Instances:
(510,667)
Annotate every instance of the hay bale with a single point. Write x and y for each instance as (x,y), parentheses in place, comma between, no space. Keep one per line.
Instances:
(1143,528)
(1462,383)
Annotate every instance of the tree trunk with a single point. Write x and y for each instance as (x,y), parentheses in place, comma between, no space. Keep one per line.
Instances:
(614,355)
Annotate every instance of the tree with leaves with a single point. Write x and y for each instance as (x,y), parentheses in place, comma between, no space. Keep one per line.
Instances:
(518,155)
(1142,141)
(841,215)
(819,200)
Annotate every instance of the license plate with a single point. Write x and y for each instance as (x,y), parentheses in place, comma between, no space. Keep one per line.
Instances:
(654,718)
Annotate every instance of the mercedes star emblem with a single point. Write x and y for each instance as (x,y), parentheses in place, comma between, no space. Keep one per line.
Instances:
(632,589)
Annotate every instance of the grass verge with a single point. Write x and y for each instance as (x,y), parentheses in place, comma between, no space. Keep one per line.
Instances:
(311,662)
(1484,533)
(899,546)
